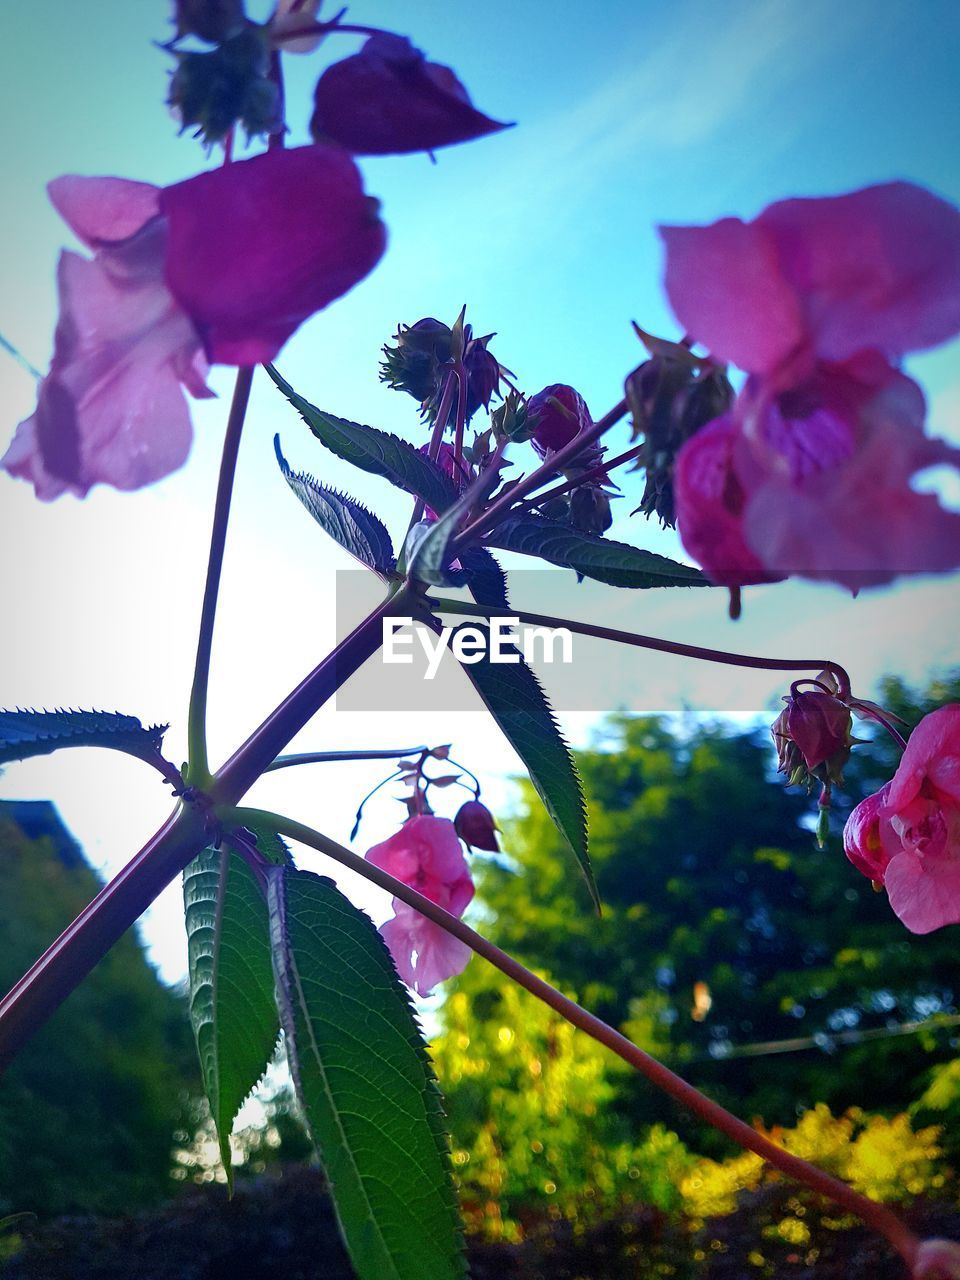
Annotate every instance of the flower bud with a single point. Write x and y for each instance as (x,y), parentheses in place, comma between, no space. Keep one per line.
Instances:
(483,375)
(211,20)
(475,826)
(813,734)
(415,364)
(555,416)
(590,509)
(214,91)
(671,396)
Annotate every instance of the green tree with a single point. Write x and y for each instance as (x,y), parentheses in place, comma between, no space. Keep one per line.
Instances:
(727,936)
(89,1109)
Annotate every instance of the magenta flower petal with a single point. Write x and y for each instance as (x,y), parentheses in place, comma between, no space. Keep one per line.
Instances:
(924,892)
(120,351)
(876,268)
(727,289)
(388,99)
(103,210)
(863,841)
(255,248)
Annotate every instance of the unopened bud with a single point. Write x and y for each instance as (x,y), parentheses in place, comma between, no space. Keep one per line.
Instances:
(590,509)
(211,20)
(813,733)
(555,416)
(475,826)
(937,1260)
(415,364)
(228,86)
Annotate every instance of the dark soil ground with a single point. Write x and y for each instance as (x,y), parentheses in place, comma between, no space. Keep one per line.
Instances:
(283,1226)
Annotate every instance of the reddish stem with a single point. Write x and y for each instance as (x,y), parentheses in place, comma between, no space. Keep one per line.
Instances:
(599,472)
(646,642)
(555,463)
(877,1216)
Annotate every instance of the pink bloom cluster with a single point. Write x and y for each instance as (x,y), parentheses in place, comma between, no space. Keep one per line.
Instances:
(220,268)
(812,470)
(907,836)
(426,855)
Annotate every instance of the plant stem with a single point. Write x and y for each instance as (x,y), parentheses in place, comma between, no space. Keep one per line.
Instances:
(877,1216)
(498,509)
(445,605)
(598,472)
(325,757)
(433,450)
(199,774)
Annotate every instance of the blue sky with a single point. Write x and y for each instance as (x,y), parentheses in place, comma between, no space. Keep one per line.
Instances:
(628,114)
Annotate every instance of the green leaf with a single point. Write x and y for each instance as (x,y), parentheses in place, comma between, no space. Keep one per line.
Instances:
(514,698)
(374,451)
(485,578)
(38,733)
(232,1006)
(616,563)
(365,1084)
(346,521)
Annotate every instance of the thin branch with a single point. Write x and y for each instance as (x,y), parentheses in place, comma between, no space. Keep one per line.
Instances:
(877,1216)
(444,605)
(326,757)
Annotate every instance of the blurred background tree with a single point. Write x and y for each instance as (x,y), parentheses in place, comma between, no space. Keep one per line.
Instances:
(89,1109)
(763,968)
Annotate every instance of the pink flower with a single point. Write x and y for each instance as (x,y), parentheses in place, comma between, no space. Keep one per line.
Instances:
(812,471)
(388,99)
(937,1260)
(222,267)
(907,836)
(426,855)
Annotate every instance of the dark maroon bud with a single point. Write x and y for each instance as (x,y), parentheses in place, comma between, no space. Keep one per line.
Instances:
(476,828)
(813,737)
(555,415)
(388,100)
(211,20)
(228,86)
(590,509)
(483,375)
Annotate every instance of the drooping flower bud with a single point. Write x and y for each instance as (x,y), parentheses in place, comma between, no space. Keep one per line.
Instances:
(483,374)
(818,726)
(229,85)
(416,362)
(211,20)
(590,509)
(476,827)
(388,100)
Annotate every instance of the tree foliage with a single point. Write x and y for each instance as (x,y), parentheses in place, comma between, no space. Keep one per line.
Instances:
(88,1111)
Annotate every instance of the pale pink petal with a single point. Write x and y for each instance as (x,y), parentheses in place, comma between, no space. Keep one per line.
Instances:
(933,752)
(924,892)
(710,502)
(726,289)
(256,247)
(858,524)
(397,856)
(400,936)
(101,210)
(878,267)
(292,16)
(111,410)
(439,956)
